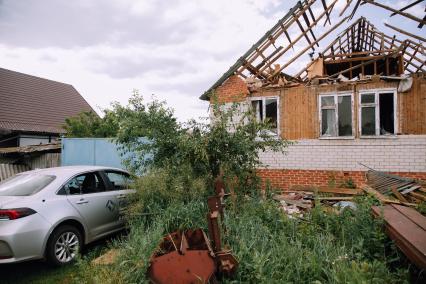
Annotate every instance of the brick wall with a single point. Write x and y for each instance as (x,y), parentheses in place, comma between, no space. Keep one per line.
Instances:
(285,178)
(234,89)
(319,162)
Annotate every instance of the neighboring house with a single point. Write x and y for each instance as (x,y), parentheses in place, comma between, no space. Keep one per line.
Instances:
(33,109)
(361,101)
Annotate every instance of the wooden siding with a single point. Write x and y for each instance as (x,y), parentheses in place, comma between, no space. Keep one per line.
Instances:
(299,117)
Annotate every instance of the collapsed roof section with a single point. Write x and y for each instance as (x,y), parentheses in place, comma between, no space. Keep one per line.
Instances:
(359,49)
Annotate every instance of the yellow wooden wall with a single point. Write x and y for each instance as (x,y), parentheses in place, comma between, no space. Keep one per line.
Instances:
(299,118)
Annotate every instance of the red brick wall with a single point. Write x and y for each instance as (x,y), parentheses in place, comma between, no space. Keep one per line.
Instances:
(284,178)
(234,89)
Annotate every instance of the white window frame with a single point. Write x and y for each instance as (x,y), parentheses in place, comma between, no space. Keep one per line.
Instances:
(263,99)
(376,104)
(336,108)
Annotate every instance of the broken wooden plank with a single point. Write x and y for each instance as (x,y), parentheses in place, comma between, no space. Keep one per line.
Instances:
(382,198)
(326,189)
(418,196)
(335,198)
(398,195)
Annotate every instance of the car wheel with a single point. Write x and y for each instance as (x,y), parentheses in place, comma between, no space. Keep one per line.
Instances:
(64,245)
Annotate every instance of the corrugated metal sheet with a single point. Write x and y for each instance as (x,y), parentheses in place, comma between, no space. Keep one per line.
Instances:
(47,160)
(8,170)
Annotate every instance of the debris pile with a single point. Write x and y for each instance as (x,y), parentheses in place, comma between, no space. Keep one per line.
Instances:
(299,199)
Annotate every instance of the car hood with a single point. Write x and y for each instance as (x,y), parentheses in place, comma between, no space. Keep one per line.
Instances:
(6,200)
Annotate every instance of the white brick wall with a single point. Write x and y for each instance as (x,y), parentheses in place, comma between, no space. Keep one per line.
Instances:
(405,153)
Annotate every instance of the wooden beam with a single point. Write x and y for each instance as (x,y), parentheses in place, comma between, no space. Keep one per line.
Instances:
(354,10)
(407,7)
(358,66)
(299,37)
(409,16)
(344,8)
(406,33)
(308,24)
(308,47)
(326,12)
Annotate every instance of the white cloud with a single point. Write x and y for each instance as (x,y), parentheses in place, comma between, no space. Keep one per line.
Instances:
(174,49)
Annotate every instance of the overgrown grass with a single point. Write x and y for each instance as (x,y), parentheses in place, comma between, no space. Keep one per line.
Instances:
(322,248)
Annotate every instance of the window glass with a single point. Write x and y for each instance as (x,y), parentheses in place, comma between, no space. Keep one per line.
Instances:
(327,101)
(271,106)
(24,184)
(345,115)
(328,122)
(367,98)
(258,109)
(85,184)
(386,113)
(368,121)
(119,180)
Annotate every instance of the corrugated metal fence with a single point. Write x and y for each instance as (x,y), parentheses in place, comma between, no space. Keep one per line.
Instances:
(46,160)
(8,170)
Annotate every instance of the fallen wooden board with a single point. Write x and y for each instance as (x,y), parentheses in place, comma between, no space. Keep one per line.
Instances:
(335,198)
(418,196)
(384,199)
(325,189)
(406,227)
(398,195)
(298,203)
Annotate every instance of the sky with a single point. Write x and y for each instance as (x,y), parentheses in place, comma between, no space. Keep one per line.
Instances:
(174,50)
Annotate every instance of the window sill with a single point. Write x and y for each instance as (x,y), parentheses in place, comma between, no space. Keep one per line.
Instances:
(379,137)
(336,137)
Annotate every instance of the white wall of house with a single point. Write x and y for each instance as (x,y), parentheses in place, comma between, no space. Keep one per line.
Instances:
(403,153)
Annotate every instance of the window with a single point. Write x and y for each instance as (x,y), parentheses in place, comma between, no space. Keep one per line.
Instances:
(24,184)
(377,113)
(119,180)
(336,115)
(85,184)
(266,109)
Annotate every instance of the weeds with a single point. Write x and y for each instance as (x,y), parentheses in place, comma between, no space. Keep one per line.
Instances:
(271,248)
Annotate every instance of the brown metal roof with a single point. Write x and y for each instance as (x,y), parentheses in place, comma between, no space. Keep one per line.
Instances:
(29,103)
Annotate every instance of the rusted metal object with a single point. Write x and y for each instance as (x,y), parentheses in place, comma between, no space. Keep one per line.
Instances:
(189,256)
(183,257)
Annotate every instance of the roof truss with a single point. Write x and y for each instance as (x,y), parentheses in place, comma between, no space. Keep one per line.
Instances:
(308,23)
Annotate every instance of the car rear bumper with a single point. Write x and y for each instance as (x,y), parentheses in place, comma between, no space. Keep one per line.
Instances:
(23,239)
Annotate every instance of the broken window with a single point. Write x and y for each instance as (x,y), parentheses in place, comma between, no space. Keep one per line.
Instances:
(266,109)
(377,113)
(336,115)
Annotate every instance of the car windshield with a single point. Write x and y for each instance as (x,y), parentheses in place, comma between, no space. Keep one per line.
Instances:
(24,184)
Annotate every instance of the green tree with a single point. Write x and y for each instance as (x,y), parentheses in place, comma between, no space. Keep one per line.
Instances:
(89,124)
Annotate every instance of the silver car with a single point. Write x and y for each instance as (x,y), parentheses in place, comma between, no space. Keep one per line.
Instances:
(51,213)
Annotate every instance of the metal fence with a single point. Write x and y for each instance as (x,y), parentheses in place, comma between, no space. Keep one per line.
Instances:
(8,170)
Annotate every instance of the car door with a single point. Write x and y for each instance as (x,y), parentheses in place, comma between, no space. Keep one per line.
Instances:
(97,206)
(120,184)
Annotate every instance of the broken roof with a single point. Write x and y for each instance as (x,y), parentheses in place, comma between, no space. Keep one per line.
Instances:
(34,104)
(279,51)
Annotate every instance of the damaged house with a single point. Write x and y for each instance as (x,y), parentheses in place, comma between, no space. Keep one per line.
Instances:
(359,102)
